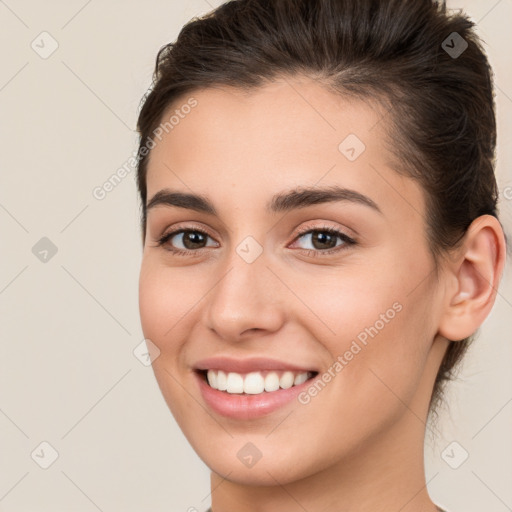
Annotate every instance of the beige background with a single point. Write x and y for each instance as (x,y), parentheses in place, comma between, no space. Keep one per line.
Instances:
(69,326)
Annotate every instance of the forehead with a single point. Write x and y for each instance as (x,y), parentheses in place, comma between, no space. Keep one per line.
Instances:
(278,116)
(286,133)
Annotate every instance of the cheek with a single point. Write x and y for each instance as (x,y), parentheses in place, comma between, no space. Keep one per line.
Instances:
(153,302)
(165,300)
(377,332)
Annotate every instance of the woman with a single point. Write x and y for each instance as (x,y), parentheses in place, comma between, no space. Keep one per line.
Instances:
(320,241)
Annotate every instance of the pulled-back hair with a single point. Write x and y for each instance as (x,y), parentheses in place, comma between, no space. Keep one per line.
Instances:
(425,65)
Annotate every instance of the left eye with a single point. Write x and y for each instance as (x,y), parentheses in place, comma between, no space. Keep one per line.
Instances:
(324,239)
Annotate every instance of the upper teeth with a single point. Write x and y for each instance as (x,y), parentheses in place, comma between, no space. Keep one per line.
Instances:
(255,382)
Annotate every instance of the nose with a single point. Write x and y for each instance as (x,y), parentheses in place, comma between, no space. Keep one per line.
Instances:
(247,298)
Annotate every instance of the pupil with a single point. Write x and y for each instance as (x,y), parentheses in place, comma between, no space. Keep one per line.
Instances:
(324,238)
(192,238)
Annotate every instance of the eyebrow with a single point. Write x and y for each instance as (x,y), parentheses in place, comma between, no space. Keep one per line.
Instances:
(282,202)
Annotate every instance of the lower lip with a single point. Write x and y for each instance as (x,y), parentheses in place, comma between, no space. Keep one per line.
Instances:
(247,407)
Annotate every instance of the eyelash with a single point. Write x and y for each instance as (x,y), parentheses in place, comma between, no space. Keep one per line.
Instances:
(348,241)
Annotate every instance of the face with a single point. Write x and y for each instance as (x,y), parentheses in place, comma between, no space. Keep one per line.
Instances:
(261,279)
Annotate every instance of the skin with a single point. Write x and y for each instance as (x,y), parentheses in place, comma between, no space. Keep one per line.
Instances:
(358,444)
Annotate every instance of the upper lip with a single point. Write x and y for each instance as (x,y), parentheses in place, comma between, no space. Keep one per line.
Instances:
(252,364)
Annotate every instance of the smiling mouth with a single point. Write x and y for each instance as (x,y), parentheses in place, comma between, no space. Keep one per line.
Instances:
(255,383)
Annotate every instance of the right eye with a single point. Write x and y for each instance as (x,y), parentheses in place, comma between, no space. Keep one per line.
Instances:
(185,241)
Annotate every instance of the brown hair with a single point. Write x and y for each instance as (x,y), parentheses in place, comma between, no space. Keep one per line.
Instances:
(425,65)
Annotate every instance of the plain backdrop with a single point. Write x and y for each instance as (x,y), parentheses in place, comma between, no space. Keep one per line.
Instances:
(71,79)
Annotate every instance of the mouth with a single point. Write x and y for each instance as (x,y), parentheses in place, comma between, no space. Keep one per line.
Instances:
(256,382)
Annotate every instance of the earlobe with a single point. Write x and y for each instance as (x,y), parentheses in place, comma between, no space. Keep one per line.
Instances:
(477,271)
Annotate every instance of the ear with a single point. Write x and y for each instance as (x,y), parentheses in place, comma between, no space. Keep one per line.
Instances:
(476,271)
